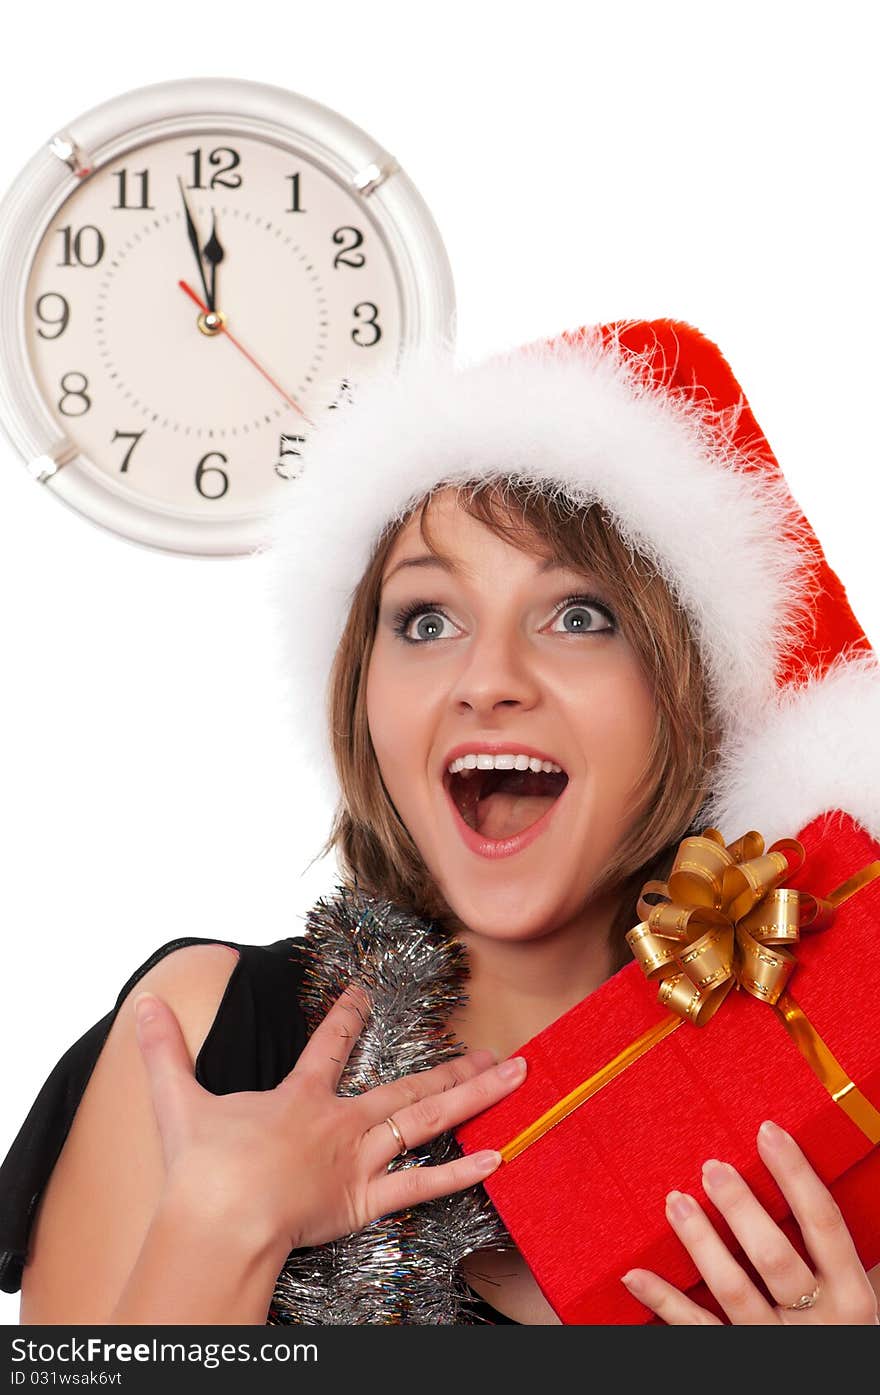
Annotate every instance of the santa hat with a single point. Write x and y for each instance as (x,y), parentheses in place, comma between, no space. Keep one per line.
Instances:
(646,418)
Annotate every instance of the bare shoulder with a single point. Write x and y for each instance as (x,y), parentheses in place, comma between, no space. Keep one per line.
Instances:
(98,1203)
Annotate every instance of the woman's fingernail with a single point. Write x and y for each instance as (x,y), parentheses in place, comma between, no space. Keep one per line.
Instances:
(771,1133)
(486,1162)
(680,1205)
(144,1008)
(509,1070)
(716,1173)
(634,1282)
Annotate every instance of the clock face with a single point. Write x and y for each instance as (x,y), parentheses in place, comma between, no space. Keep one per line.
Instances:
(196,398)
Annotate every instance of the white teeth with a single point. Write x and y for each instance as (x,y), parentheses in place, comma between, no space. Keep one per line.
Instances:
(481,761)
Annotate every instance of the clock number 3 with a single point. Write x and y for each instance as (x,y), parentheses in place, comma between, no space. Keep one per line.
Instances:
(368,314)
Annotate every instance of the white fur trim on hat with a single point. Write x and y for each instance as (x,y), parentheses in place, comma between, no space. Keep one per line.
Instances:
(728,541)
(817,749)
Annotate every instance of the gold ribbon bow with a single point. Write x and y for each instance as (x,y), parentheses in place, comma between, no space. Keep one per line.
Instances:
(722,922)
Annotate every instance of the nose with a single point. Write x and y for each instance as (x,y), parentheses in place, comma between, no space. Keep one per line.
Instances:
(496,673)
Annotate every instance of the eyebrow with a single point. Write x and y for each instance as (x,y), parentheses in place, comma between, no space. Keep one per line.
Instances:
(447,565)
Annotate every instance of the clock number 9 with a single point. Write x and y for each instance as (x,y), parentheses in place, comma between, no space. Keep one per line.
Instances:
(61,320)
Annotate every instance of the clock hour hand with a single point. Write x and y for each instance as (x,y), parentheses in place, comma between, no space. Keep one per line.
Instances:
(194,244)
(214,254)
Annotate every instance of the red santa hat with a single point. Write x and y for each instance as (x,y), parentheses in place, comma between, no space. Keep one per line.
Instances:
(646,418)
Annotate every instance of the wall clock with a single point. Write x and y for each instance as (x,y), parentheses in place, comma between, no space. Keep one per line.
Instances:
(192,274)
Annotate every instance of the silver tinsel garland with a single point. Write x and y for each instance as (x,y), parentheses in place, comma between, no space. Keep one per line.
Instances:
(401,1268)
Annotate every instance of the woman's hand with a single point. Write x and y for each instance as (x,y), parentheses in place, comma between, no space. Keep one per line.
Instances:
(300,1163)
(843,1291)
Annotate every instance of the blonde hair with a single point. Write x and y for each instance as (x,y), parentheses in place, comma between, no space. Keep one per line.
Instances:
(375,849)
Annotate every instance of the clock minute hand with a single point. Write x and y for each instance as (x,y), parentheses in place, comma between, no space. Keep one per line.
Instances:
(194,244)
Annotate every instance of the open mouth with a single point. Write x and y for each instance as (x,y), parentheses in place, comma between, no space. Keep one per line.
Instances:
(501,803)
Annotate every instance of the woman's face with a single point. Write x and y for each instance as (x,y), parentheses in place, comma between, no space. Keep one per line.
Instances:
(496,657)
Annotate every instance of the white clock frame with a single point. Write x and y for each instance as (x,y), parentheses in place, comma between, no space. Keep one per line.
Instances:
(346,153)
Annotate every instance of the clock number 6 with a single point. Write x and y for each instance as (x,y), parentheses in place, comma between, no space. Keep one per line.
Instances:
(203,469)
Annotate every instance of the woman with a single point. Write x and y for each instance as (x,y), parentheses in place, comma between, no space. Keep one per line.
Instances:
(582,556)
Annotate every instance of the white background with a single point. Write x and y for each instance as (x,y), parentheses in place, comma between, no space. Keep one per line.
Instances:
(713,163)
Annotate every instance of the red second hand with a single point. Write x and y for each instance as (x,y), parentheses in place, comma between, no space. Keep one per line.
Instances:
(204,309)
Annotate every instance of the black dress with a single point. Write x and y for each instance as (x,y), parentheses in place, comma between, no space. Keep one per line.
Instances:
(254,1040)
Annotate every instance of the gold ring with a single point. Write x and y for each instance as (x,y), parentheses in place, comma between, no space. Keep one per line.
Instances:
(401,1146)
(806,1300)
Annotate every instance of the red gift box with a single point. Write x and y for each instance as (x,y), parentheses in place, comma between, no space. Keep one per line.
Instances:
(585,1201)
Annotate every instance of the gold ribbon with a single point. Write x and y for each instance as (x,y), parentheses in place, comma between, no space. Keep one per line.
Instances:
(723,920)
(719,920)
